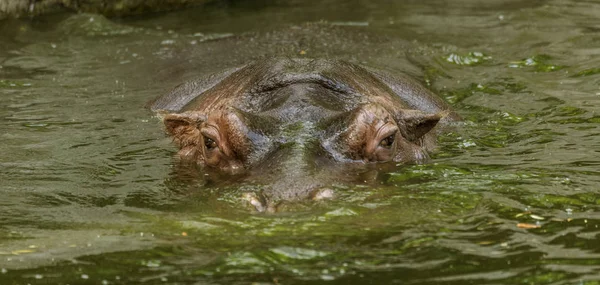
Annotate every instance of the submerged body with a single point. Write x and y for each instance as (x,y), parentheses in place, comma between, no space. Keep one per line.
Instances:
(296,125)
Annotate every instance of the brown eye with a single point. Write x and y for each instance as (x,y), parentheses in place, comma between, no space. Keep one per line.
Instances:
(209,143)
(387,142)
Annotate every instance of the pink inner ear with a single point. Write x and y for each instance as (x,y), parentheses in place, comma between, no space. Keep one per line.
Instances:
(172,124)
(184,128)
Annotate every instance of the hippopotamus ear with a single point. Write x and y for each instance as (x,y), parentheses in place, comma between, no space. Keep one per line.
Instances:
(184,127)
(415,124)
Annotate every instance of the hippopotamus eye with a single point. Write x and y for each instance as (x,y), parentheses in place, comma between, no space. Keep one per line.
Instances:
(388,141)
(209,143)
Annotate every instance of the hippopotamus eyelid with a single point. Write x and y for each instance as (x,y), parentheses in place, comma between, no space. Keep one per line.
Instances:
(210,132)
(386,130)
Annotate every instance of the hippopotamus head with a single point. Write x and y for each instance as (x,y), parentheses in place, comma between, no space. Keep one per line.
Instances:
(296,126)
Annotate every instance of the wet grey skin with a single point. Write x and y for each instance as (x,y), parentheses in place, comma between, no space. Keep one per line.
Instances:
(297,126)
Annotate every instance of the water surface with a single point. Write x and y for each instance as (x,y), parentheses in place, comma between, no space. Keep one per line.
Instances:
(91,192)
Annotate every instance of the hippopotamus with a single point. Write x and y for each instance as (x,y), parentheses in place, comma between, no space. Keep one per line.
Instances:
(295,126)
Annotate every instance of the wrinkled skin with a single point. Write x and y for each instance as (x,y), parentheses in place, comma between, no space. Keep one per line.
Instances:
(298,125)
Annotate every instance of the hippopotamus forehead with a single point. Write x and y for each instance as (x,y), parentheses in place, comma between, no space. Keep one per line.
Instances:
(340,79)
(299,102)
(267,85)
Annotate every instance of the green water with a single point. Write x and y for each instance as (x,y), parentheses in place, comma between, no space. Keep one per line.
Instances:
(91,193)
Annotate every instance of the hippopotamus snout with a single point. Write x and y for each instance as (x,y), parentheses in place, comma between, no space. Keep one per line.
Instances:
(298,170)
(270,198)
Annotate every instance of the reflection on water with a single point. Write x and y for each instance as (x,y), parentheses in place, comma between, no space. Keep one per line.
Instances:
(91,192)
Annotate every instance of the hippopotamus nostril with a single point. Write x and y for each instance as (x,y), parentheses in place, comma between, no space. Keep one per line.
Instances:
(234,167)
(273,196)
(322,194)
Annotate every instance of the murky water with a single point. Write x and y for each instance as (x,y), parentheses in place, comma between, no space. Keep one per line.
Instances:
(91,192)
